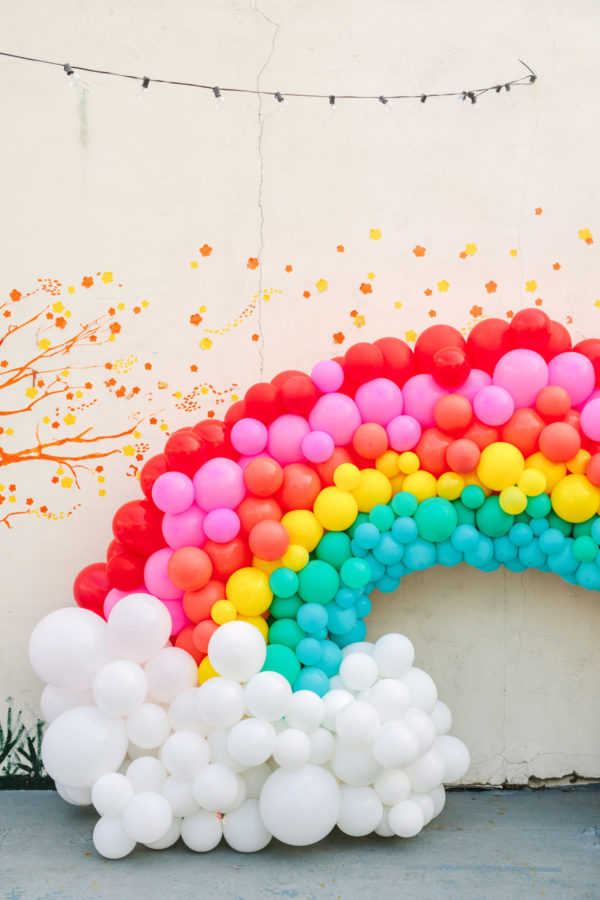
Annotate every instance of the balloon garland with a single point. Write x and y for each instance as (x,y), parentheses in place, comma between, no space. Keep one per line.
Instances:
(248,567)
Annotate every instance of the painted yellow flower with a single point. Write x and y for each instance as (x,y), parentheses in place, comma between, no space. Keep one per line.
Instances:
(107,277)
(410,335)
(443,286)
(321,284)
(206,343)
(530,286)
(69,419)
(375,234)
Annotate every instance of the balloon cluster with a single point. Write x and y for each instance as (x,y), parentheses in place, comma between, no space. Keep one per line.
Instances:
(241,757)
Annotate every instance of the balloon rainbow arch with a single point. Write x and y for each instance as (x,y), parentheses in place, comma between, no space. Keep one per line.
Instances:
(215,678)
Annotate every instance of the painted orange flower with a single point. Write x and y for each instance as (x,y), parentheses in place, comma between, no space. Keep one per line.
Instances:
(115,327)
(539,301)
(195,319)
(339,337)
(462,254)
(15,295)
(491,287)
(289,268)
(418,250)
(539,211)
(255,337)
(306,294)
(476,311)
(509,314)
(252,263)
(205,250)
(428,292)
(556,266)
(432,313)
(366,288)
(147,365)
(87,281)
(61,322)
(340,248)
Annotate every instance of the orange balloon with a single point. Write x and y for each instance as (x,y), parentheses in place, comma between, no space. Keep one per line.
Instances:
(269,540)
(592,470)
(189,568)
(553,402)
(300,487)
(370,440)
(254,509)
(559,442)
(198,604)
(463,455)
(453,412)
(263,476)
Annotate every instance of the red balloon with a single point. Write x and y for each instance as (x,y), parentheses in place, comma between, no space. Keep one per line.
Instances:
(363,362)
(125,571)
(348,386)
(185,641)
(202,634)
(451,367)
(186,451)
(573,417)
(113,548)
(226,558)
(530,329)
(370,440)
(398,359)
(281,377)
(269,540)
(481,434)
(559,442)
(263,476)
(487,342)
(463,455)
(299,395)
(152,469)
(523,430)
(235,412)
(553,402)
(215,434)
(591,348)
(198,604)
(91,587)
(257,509)
(263,402)
(560,341)
(300,487)
(326,469)
(138,526)
(453,412)
(435,338)
(592,470)
(432,449)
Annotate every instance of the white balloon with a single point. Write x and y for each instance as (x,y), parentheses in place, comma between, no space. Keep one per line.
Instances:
(169,673)
(395,745)
(292,748)
(120,687)
(237,650)
(360,810)
(244,830)
(148,725)
(110,838)
(333,701)
(219,751)
(68,647)
(406,819)
(422,727)
(202,831)
(184,753)
(82,744)
(357,723)
(336,683)
(216,788)
(56,700)
(267,696)
(183,713)
(300,807)
(438,795)
(179,795)
(394,655)
(147,816)
(74,796)
(427,771)
(254,779)
(134,752)
(358,671)
(322,746)
(138,626)
(110,793)
(354,765)
(305,711)
(441,718)
(251,742)
(220,701)
(426,805)
(455,755)
(383,829)
(390,698)
(392,786)
(422,689)
(358,647)
(170,837)
(146,774)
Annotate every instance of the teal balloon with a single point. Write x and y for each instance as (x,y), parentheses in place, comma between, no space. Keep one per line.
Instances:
(366,535)
(331,657)
(363,607)
(555,521)
(436,519)
(283,660)
(588,576)
(355,573)
(595,531)
(538,507)
(396,571)
(515,565)
(387,584)
(347,597)
(404,529)
(358,634)
(312,679)
(312,617)
(585,549)
(520,534)
(482,554)
(309,651)
(318,582)
(465,537)
(340,620)
(283,582)
(504,550)
(404,504)
(359,520)
(285,607)
(538,526)
(357,549)
(564,562)
(382,517)
(464,515)
(377,568)
(286,632)
(532,555)
(334,548)
(580,528)
(472,496)
(491,518)
(448,555)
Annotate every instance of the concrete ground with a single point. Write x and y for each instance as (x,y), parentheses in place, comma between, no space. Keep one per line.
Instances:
(484,845)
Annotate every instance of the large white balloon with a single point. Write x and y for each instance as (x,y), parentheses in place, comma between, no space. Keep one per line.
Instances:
(292,748)
(202,831)
(441,718)
(170,837)
(426,772)
(120,687)
(138,626)
(354,765)
(180,796)
(422,689)
(302,806)
(254,779)
(244,829)
(333,701)
(56,700)
(216,788)
(322,746)
(360,810)
(220,702)
(390,698)
(183,713)
(110,838)
(68,647)
(406,819)
(392,786)
(456,757)
(358,671)
(305,711)
(169,673)
(146,774)
(82,744)
(147,816)
(357,723)
(237,650)
(395,745)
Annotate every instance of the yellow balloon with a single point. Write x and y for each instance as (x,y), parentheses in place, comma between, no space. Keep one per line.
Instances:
(388,463)
(397,483)
(553,471)
(513,500)
(249,591)
(500,465)
(450,485)
(336,509)
(295,557)
(408,462)
(532,482)
(258,622)
(303,528)
(374,488)
(575,499)
(347,476)
(472,478)
(579,462)
(266,565)
(206,671)
(223,611)
(421,484)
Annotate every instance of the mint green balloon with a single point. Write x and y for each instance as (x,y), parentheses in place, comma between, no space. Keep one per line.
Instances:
(472,496)
(538,507)
(283,582)
(283,660)
(285,607)
(334,548)
(491,518)
(319,582)
(585,548)
(555,521)
(404,504)
(436,519)
(286,632)
(382,516)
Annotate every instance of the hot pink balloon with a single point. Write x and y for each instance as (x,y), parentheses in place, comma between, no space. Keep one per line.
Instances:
(523,373)
(477,379)
(285,438)
(219,482)
(185,529)
(221,525)
(336,414)
(421,393)
(379,400)
(173,492)
(327,376)
(404,433)
(156,577)
(575,373)
(493,405)
(590,420)
(178,618)
(317,446)
(249,436)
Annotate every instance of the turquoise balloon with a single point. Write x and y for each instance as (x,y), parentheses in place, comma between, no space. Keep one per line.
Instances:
(285,607)
(366,535)
(404,504)
(340,620)
(382,517)
(312,679)
(588,576)
(585,549)
(404,530)
(283,582)
(388,551)
(448,555)
(318,582)
(331,658)
(504,550)
(334,548)
(552,541)
(286,632)
(387,584)
(359,520)
(283,660)
(355,573)
(472,496)
(538,507)
(419,555)
(491,518)
(309,651)
(436,519)
(520,535)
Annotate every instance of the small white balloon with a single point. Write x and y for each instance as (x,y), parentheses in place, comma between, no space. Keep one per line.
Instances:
(425,803)
(179,795)
(267,696)
(82,744)
(56,700)
(120,687)
(383,829)
(68,647)
(360,810)
(333,701)
(220,701)
(134,752)
(169,673)
(147,816)
(146,774)
(237,650)
(357,723)
(110,838)
(392,786)
(426,772)
(441,718)
(438,795)
(358,671)
(244,830)
(74,796)
(394,655)
(336,683)
(300,807)
(170,837)
(305,711)
(422,689)
(292,748)
(390,698)
(422,727)
(216,788)
(358,647)
(183,713)
(184,753)
(148,726)
(406,819)
(354,765)
(455,755)
(218,741)
(202,831)
(138,626)
(110,793)
(251,742)
(395,745)
(322,746)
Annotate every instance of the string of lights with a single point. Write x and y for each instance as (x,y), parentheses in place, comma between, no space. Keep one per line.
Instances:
(281,97)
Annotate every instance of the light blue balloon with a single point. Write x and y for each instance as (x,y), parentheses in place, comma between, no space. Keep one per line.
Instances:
(358,549)
(532,555)
(482,554)
(419,555)
(520,535)
(538,526)
(308,651)
(366,535)
(465,537)
(331,657)
(340,620)
(552,540)
(387,585)
(447,554)
(404,530)
(595,532)
(396,571)
(514,565)
(364,606)
(564,562)
(347,597)
(355,636)
(588,576)
(377,568)
(312,679)
(388,551)
(504,550)
(312,617)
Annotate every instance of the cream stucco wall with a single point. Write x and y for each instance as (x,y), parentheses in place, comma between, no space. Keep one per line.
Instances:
(95,181)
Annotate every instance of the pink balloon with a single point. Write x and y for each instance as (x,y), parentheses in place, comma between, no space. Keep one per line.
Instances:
(593,396)
(575,373)
(477,379)
(178,618)
(523,373)
(249,436)
(336,414)
(184,529)
(379,400)
(156,577)
(285,438)
(219,482)
(327,375)
(173,492)
(590,420)
(221,525)
(493,405)
(421,393)
(404,433)
(317,446)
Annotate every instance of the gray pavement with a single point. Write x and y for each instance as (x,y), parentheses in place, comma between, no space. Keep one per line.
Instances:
(484,845)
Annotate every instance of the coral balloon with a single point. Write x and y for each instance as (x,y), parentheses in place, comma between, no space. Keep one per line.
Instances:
(198,604)
(189,568)
(255,509)
(431,450)
(434,338)
(138,526)
(523,430)
(481,434)
(269,540)
(553,402)
(463,455)
(451,367)
(592,470)
(226,558)
(530,329)
(152,469)
(91,587)
(559,442)
(326,469)
(487,342)
(370,440)
(263,476)
(398,359)
(300,487)
(453,412)
(235,412)
(363,362)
